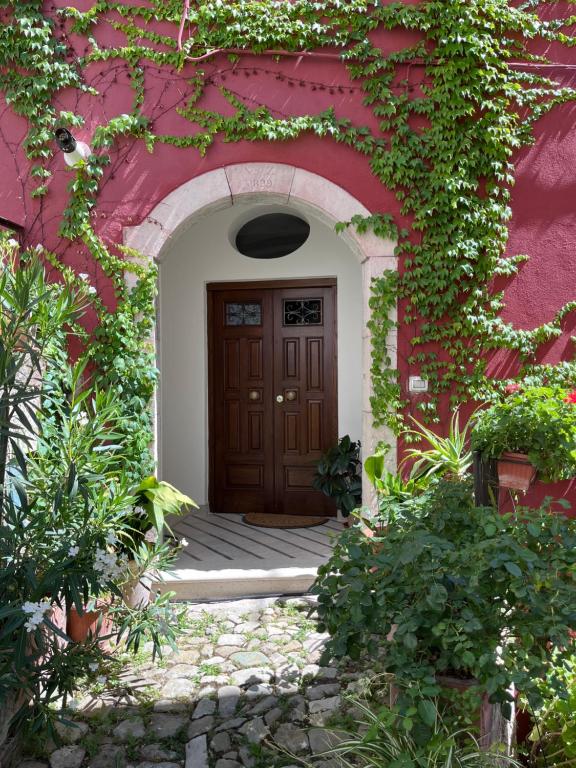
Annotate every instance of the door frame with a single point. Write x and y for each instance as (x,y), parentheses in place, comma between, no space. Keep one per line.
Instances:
(211,289)
(170,214)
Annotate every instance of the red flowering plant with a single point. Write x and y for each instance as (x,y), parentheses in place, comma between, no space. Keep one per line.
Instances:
(537,421)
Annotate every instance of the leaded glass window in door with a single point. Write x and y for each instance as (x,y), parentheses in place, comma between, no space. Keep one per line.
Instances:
(243,313)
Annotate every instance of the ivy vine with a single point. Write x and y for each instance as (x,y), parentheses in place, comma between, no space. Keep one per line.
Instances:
(445,145)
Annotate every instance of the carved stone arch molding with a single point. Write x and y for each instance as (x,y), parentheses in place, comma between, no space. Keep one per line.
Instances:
(290,186)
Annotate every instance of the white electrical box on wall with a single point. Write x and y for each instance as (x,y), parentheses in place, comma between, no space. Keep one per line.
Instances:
(417,384)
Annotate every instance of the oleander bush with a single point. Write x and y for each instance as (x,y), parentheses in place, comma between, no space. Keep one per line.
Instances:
(65,499)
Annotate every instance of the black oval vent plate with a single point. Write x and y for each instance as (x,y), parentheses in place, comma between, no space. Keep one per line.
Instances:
(272,235)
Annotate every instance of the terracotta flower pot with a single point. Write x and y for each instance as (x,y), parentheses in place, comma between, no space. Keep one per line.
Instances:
(95,623)
(493,728)
(137,592)
(370,533)
(515,471)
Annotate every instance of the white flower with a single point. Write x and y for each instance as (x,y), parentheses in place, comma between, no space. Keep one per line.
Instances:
(151,535)
(84,276)
(35,613)
(12,243)
(101,679)
(31,625)
(92,290)
(73,551)
(93,666)
(184,542)
(32,608)
(106,564)
(111,538)
(39,248)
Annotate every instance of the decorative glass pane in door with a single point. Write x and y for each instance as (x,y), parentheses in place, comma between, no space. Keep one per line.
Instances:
(302,312)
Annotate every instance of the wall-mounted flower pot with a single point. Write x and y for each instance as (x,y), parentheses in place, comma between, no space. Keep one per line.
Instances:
(515,471)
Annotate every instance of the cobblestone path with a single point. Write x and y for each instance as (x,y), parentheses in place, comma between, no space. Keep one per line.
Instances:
(244,690)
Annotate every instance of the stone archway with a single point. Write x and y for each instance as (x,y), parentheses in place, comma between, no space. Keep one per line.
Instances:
(286,185)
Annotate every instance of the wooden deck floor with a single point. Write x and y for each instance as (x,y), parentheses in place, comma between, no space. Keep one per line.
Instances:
(227,558)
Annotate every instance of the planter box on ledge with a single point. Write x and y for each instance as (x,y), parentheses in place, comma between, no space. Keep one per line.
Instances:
(515,471)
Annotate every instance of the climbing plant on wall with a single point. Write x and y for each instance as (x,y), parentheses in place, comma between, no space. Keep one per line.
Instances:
(451,110)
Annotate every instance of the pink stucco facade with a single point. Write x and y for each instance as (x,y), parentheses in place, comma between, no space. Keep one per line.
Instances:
(543,223)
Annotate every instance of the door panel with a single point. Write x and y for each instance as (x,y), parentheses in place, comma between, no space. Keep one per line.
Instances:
(305,423)
(273,399)
(240,381)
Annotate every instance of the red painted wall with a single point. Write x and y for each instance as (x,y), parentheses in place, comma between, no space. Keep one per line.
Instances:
(543,224)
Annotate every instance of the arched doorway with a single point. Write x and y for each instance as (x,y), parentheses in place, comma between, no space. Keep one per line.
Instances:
(192,226)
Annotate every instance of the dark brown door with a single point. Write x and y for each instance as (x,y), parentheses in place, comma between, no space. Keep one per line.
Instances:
(273,399)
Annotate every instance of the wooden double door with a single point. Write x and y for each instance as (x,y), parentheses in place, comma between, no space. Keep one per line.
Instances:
(273,396)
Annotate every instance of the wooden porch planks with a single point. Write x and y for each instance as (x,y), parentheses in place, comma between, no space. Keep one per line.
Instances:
(282,541)
(220,541)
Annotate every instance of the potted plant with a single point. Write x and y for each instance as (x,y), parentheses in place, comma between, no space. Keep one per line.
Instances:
(454,591)
(93,622)
(449,457)
(338,475)
(532,430)
(552,736)
(142,536)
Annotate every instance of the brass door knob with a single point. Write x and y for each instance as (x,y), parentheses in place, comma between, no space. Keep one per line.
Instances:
(279,399)
(291,395)
(254,394)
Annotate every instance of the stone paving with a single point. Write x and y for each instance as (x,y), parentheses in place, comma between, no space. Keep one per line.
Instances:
(244,690)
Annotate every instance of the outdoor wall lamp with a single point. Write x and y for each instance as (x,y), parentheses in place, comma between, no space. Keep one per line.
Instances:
(74,151)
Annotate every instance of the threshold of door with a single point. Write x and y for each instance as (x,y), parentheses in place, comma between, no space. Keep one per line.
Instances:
(190,584)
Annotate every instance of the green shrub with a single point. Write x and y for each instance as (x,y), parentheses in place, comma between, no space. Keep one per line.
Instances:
(553,738)
(458,590)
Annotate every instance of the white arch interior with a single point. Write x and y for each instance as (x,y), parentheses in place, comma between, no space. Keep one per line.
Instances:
(189,234)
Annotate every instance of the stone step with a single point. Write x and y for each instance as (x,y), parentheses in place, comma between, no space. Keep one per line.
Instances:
(190,584)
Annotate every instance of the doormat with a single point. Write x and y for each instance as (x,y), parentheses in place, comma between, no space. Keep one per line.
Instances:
(283,521)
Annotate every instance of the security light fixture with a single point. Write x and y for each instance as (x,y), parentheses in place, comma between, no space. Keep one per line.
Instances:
(74,151)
